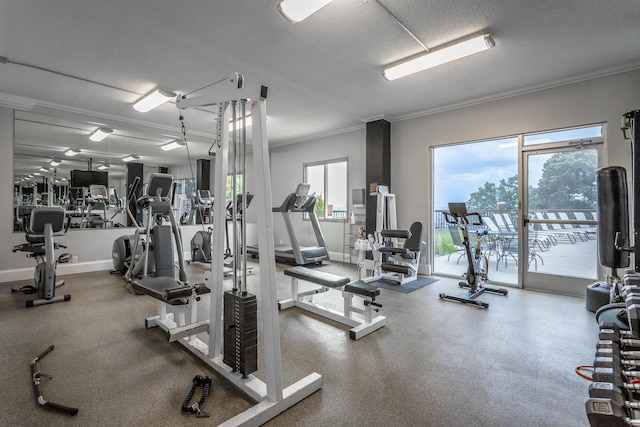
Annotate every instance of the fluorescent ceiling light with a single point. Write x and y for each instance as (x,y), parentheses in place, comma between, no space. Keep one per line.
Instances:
(154,99)
(36,173)
(103,167)
(100,134)
(72,152)
(130,158)
(55,162)
(441,56)
(297,10)
(43,169)
(172,145)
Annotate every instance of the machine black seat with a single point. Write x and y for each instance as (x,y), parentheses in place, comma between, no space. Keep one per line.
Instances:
(396,268)
(168,290)
(318,277)
(361,288)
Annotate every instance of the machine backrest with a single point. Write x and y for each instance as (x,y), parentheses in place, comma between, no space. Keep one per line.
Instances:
(159,185)
(41,216)
(414,242)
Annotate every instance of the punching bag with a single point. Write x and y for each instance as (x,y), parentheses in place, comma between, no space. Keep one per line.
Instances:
(613,216)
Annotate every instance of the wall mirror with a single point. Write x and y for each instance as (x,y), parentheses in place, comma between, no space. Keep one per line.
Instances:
(46,175)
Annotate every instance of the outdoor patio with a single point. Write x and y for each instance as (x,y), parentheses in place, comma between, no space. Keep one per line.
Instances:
(564,258)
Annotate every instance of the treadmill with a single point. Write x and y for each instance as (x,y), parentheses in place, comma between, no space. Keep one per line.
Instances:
(299,202)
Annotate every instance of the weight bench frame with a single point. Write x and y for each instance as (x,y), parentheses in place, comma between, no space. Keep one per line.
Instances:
(361,326)
(181,320)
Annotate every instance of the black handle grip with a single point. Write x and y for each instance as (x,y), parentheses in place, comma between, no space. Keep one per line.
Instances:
(45,352)
(57,406)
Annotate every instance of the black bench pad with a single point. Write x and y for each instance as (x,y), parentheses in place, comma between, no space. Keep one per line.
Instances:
(361,288)
(318,277)
(168,289)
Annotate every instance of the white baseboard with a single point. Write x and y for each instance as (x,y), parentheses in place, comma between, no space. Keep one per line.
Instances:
(61,270)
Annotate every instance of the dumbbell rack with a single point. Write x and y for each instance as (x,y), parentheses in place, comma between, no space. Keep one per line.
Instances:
(614,394)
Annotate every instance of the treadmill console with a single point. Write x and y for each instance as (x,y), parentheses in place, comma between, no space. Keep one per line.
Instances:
(302,196)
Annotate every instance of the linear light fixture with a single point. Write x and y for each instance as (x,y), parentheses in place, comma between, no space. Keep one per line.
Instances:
(298,10)
(172,145)
(100,134)
(130,158)
(72,152)
(43,169)
(55,162)
(152,100)
(103,167)
(436,57)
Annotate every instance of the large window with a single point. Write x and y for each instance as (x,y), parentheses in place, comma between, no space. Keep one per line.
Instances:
(557,185)
(328,182)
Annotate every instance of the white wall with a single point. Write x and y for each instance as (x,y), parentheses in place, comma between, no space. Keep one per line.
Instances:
(601,100)
(287,172)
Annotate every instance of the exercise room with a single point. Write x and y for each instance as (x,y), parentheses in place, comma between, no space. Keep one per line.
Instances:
(320,213)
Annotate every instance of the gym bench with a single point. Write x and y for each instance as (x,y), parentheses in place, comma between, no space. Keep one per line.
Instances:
(181,321)
(304,300)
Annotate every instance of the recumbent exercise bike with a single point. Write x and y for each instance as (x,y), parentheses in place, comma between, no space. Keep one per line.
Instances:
(40,226)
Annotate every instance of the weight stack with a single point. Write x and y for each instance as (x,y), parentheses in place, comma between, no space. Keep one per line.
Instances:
(241,332)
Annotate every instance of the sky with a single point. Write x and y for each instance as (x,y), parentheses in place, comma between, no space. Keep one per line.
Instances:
(462,169)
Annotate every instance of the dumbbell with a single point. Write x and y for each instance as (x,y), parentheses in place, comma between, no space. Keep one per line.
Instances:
(608,413)
(613,361)
(616,376)
(612,331)
(608,406)
(603,346)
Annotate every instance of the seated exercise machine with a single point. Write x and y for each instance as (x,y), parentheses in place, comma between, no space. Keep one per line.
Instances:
(299,202)
(40,227)
(177,299)
(390,260)
(361,325)
(227,340)
(478,264)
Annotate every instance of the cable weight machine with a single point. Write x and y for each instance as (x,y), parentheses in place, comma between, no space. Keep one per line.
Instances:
(231,344)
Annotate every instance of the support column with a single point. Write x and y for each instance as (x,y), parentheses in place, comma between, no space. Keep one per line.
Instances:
(378,169)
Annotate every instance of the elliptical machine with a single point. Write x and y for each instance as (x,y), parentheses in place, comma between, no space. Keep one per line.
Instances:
(40,227)
(149,251)
(478,268)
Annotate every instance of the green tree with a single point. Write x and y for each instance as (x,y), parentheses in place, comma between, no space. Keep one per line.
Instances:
(567,182)
(488,196)
(319,206)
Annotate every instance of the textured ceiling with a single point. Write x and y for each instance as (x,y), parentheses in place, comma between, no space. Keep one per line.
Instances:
(323,74)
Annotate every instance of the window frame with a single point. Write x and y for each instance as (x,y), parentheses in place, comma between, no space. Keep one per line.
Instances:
(326,192)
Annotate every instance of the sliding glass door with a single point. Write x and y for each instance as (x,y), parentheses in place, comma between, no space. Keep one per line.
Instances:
(534,188)
(559,215)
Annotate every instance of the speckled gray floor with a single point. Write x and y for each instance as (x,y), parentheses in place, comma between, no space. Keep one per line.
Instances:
(436,363)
